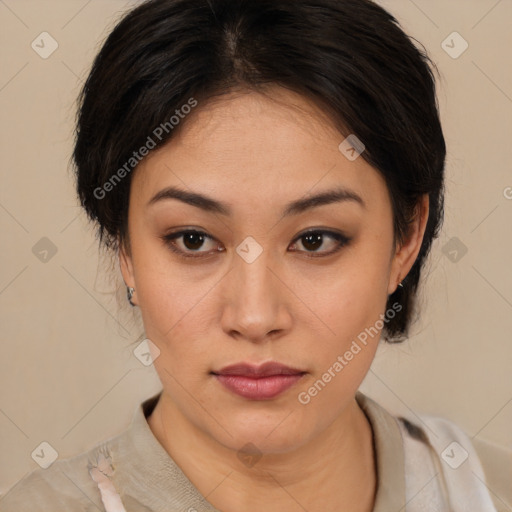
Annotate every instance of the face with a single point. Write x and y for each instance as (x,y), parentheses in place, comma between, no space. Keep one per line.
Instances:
(257,272)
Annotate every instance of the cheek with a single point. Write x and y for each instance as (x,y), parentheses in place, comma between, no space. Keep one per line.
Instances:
(351,307)
(351,296)
(177,315)
(353,319)
(166,292)
(175,318)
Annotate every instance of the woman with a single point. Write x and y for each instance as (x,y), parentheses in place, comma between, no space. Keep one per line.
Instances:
(270,175)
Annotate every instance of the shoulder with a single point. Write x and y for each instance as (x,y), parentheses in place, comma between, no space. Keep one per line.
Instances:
(497,464)
(440,452)
(65,485)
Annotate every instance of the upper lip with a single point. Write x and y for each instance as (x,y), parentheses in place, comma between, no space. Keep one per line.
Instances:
(263,370)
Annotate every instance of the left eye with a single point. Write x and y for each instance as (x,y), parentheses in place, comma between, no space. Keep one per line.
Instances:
(313,240)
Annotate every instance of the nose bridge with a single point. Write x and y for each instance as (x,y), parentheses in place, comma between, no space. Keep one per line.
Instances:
(255,278)
(252,259)
(255,304)
(254,282)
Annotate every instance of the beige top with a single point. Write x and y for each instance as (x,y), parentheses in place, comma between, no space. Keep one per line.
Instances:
(147,479)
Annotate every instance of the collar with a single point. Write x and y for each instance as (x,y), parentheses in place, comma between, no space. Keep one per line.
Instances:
(147,476)
(389,453)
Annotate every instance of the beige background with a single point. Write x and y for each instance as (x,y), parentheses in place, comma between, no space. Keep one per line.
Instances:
(67,372)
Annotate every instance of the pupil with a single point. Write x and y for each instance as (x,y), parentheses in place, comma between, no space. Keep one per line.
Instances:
(193,241)
(314,240)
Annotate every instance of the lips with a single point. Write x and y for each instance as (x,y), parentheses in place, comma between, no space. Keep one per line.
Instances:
(263,370)
(262,382)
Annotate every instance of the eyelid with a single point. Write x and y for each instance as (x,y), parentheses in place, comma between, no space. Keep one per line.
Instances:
(323,231)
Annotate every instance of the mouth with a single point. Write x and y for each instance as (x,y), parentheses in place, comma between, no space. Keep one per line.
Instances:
(261,382)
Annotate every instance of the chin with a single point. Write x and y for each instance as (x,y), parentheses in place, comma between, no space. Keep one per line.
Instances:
(260,444)
(268,436)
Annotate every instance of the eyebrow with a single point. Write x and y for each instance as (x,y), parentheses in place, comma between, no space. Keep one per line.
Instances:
(208,204)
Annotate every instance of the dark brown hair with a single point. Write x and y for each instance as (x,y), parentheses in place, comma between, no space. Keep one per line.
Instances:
(350,57)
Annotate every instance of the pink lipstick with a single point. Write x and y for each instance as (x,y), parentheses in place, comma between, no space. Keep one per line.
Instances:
(258,382)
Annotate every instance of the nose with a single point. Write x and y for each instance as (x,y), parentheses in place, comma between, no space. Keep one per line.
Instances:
(256,302)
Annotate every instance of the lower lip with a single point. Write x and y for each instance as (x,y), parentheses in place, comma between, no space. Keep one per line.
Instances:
(261,388)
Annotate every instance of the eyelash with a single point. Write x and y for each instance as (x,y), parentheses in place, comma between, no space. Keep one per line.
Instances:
(341,240)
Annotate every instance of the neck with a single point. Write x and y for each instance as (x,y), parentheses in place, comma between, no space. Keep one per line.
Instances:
(338,464)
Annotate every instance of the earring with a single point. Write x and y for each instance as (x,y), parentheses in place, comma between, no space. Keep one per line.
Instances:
(399,290)
(129,294)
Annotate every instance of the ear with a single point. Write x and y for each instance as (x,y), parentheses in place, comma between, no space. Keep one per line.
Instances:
(406,254)
(126,264)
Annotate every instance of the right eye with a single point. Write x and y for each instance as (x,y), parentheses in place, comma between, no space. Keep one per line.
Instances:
(187,242)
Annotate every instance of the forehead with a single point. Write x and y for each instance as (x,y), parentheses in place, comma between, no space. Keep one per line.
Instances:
(277,143)
(278,118)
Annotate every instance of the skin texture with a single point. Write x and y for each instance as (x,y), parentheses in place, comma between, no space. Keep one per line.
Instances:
(258,154)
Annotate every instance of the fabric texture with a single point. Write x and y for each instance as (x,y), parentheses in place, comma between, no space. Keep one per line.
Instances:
(424,465)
